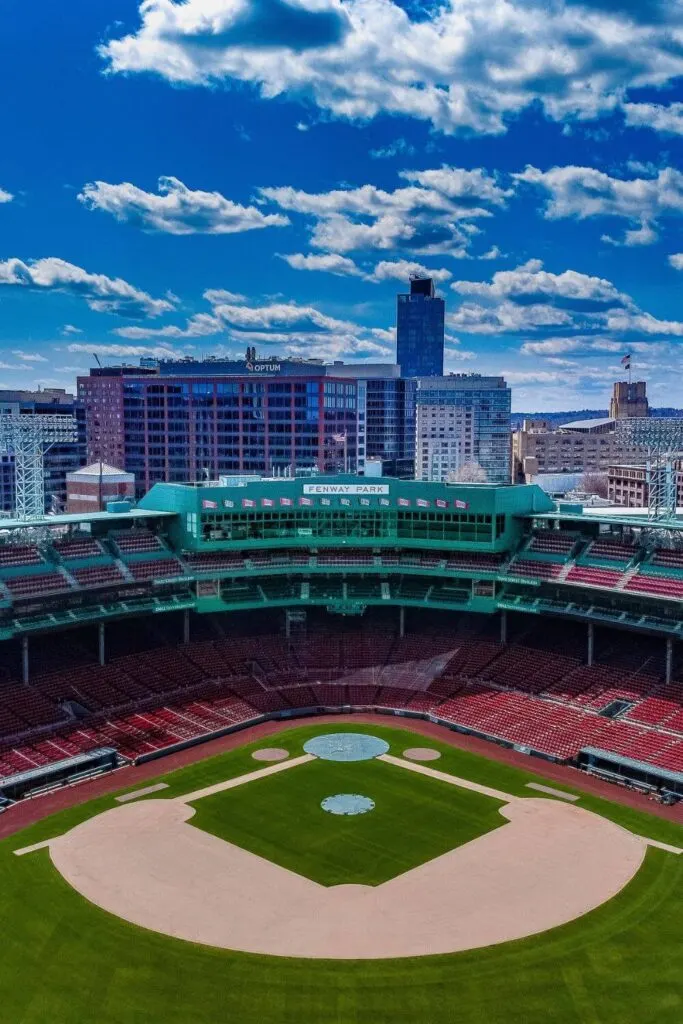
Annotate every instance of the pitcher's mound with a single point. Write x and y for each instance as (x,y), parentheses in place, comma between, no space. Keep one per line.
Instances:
(271,754)
(421,754)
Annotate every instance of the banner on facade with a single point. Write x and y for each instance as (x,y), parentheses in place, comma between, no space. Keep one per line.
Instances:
(359,488)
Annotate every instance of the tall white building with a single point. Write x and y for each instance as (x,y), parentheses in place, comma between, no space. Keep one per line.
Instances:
(461,419)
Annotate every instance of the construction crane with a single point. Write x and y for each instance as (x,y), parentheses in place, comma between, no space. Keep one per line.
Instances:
(27,438)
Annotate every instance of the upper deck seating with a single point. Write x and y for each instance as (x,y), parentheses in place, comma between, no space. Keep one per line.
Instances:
(610,550)
(42,583)
(555,542)
(77,547)
(19,554)
(133,542)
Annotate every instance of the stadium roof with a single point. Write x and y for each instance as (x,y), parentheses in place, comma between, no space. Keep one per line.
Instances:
(603,421)
(614,516)
(73,518)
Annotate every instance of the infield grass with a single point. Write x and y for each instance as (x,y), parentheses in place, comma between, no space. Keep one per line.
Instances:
(64,961)
(415,818)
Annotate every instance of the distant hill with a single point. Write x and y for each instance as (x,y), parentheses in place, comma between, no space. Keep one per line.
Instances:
(558,418)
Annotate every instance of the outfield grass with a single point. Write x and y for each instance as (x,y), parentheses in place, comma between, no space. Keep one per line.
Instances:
(64,961)
(415,818)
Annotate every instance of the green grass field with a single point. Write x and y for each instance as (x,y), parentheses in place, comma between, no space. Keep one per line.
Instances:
(64,961)
(414,819)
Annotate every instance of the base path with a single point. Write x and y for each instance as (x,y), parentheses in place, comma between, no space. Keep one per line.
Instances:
(550,864)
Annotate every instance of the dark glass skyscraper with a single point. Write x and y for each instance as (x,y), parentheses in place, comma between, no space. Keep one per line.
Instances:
(420,330)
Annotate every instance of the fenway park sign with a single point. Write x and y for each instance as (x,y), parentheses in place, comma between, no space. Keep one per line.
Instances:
(346,489)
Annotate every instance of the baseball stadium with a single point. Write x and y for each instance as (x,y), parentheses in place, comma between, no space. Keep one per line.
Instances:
(341,750)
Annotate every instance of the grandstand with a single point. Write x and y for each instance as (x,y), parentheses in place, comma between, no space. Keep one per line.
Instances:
(485,608)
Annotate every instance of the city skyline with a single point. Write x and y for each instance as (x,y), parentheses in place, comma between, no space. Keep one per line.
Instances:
(175,188)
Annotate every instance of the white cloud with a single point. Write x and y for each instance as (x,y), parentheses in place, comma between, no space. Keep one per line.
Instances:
(434,215)
(531,283)
(331,262)
(29,357)
(665,119)
(301,126)
(216,295)
(278,316)
(125,351)
(676,261)
(401,270)
(642,323)
(198,326)
(461,65)
(71,329)
(399,147)
(507,317)
(176,209)
(583,192)
(103,294)
(5,197)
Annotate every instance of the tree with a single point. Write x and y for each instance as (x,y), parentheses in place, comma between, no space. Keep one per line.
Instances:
(469,473)
(595,483)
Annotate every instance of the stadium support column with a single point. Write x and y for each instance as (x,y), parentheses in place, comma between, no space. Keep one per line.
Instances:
(669,658)
(591,644)
(24,660)
(186,626)
(504,626)
(401,622)
(100,643)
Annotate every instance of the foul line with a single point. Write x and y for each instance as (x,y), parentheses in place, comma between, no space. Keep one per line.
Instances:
(241,780)
(453,780)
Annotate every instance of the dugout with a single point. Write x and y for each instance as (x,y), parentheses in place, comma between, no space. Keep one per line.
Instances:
(60,773)
(630,772)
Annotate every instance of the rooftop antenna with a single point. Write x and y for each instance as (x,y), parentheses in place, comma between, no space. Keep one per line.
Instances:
(97,359)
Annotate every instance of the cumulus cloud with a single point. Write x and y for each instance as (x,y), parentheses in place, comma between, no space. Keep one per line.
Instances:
(199,326)
(279,315)
(434,214)
(507,317)
(125,351)
(530,283)
(665,119)
(29,357)
(102,294)
(463,65)
(583,192)
(331,262)
(5,197)
(71,329)
(176,209)
(676,260)
(402,270)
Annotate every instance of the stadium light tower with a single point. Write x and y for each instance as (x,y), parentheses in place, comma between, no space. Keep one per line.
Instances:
(661,441)
(27,438)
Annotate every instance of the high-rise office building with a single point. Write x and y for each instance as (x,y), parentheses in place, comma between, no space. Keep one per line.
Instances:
(462,418)
(386,418)
(420,316)
(59,459)
(189,420)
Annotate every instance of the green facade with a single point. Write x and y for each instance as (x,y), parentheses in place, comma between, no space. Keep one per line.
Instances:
(334,511)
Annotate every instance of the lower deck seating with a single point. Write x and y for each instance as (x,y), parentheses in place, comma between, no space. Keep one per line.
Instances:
(538,698)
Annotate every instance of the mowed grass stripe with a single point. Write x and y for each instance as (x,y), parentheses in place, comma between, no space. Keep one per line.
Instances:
(414,820)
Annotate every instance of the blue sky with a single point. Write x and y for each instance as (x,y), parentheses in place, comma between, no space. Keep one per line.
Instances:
(195,178)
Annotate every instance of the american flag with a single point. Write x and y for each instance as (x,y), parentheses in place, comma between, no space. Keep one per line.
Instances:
(423,503)
(285,501)
(267,502)
(209,504)
(461,504)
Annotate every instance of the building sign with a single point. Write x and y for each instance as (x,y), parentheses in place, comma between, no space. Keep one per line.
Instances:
(262,367)
(346,489)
